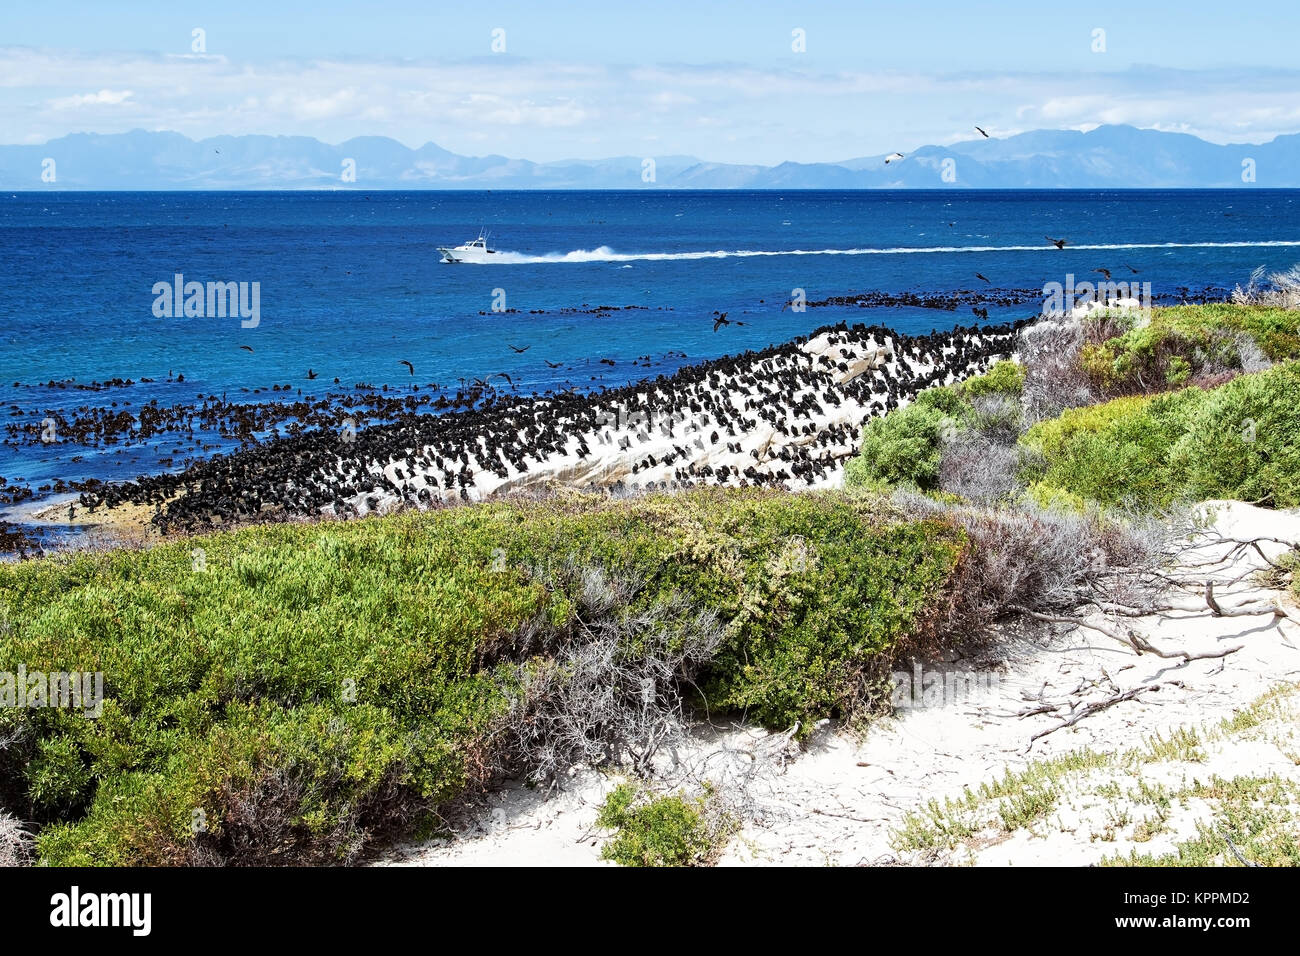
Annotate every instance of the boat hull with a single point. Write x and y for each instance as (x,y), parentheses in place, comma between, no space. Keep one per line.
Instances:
(466,255)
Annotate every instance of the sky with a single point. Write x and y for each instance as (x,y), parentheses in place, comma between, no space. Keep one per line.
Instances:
(724,81)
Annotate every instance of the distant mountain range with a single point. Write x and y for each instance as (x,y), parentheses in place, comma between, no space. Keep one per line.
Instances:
(1106,157)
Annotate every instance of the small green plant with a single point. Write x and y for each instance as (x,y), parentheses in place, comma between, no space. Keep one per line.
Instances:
(1254,820)
(670,830)
(1150,827)
(1183,744)
(1004,378)
(1021,809)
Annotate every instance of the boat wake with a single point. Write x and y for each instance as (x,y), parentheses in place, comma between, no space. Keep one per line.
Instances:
(606,254)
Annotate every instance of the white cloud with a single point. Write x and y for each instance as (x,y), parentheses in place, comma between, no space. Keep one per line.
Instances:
(102,98)
(546,110)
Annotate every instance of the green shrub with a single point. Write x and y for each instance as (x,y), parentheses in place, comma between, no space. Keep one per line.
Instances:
(798,643)
(1243,441)
(1275,331)
(1181,342)
(660,831)
(1114,453)
(1155,357)
(338,678)
(1004,378)
(904,447)
(1240,440)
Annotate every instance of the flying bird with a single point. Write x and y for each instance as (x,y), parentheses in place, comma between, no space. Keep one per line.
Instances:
(1059,243)
(247,348)
(1105,272)
(409,366)
(891,157)
(1130,269)
(980,275)
(721,320)
(981,132)
(311,373)
(550,364)
(515,348)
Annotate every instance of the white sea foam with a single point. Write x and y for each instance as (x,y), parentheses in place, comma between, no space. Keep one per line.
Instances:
(606,254)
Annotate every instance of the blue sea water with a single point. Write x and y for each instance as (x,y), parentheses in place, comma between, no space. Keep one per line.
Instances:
(351,283)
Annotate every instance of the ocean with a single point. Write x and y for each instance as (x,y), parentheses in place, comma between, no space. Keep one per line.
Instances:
(350,285)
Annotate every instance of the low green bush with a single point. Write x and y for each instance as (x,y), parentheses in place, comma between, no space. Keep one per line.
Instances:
(1004,378)
(1243,441)
(658,831)
(1239,440)
(1275,331)
(904,447)
(1182,342)
(313,685)
(1156,357)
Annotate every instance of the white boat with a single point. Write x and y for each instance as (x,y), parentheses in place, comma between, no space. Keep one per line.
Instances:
(476,250)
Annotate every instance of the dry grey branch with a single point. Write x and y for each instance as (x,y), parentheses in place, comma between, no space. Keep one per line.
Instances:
(15,842)
(610,689)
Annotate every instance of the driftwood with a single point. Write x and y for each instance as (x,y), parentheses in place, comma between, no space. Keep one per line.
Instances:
(1237,853)
(1097,706)
(1121,594)
(1129,638)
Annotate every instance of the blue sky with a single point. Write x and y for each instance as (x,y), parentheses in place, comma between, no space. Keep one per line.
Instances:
(716,80)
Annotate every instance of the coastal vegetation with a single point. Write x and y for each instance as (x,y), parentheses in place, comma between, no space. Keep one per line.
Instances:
(1200,402)
(281,693)
(1239,440)
(295,692)
(671,830)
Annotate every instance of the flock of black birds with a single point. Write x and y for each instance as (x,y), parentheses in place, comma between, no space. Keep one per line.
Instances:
(282,457)
(806,399)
